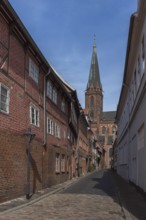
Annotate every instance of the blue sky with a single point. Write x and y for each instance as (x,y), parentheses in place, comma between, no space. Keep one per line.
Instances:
(64,30)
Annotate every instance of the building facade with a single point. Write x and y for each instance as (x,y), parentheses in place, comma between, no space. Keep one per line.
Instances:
(131,150)
(33,96)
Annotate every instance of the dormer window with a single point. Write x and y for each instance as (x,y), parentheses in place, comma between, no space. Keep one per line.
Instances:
(63,105)
(51,91)
(33,71)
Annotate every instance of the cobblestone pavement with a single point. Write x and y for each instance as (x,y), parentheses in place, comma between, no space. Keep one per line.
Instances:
(69,207)
(92,198)
(97,196)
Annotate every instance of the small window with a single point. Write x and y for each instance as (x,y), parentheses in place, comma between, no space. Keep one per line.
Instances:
(54,97)
(63,105)
(110,140)
(51,92)
(50,126)
(63,163)
(57,130)
(49,89)
(33,71)
(34,115)
(92,101)
(57,163)
(103,130)
(4,99)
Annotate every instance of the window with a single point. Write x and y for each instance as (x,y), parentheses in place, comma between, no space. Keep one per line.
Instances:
(63,163)
(51,91)
(4,99)
(34,115)
(103,130)
(54,95)
(110,140)
(63,105)
(33,71)
(57,163)
(92,101)
(50,126)
(57,130)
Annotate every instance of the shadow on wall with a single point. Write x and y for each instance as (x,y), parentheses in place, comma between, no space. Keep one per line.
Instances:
(36,175)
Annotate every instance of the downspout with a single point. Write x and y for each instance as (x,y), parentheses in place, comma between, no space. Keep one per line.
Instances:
(45,77)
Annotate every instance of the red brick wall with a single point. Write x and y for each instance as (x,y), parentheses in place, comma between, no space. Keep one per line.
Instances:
(13,169)
(13,145)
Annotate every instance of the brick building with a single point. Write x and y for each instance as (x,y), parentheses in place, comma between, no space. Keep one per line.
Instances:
(33,95)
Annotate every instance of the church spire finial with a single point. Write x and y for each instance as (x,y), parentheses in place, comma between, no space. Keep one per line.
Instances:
(94,43)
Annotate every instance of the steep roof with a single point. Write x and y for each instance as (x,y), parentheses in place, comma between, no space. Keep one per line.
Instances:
(108,116)
(94,76)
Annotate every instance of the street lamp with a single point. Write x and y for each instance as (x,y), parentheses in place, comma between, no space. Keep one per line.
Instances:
(29,135)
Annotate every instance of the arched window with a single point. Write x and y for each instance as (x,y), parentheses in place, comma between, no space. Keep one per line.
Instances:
(92,101)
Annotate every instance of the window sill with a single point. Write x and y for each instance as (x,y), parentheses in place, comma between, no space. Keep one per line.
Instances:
(5,113)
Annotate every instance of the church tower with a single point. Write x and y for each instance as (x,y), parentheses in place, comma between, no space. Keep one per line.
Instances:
(93,94)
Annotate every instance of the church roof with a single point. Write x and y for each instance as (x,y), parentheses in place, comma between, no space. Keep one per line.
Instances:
(108,116)
(94,76)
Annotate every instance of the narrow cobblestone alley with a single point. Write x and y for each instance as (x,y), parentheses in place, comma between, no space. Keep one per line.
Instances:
(92,197)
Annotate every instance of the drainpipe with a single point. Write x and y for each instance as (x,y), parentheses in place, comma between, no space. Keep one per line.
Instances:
(45,77)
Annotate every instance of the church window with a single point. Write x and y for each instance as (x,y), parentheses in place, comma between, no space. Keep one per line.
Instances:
(110,140)
(92,101)
(103,130)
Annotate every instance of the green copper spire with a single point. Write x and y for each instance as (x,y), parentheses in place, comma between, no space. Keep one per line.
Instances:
(94,76)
